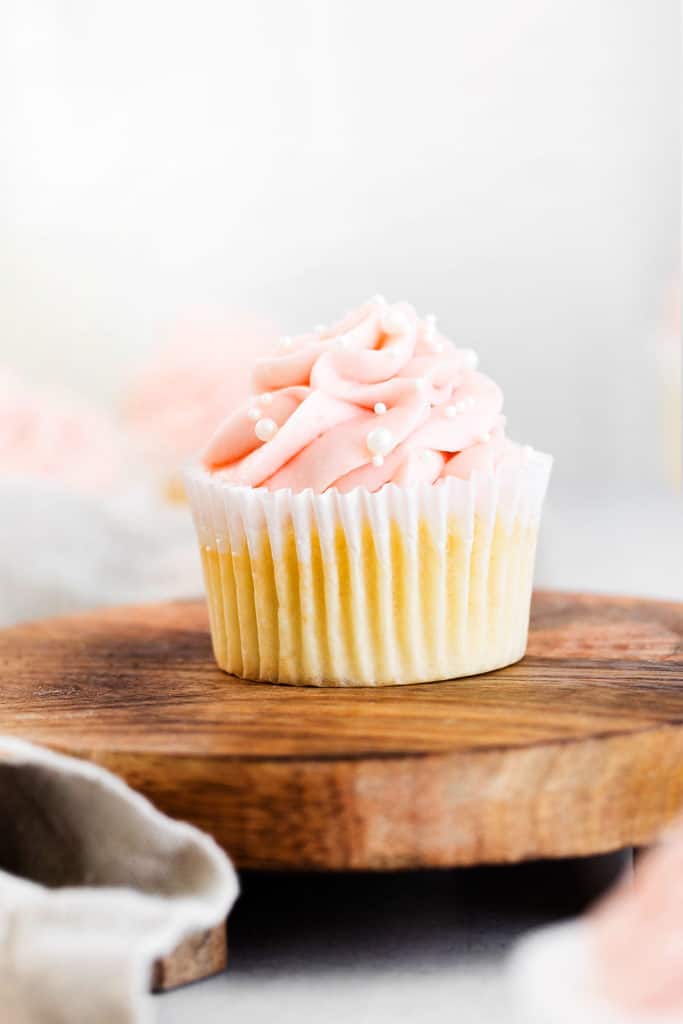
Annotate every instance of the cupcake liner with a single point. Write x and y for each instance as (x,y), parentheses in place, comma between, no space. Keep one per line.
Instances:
(402,585)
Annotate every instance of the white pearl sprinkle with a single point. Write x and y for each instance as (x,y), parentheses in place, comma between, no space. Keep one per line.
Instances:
(266,398)
(380,408)
(265,429)
(470,402)
(320,328)
(380,441)
(420,383)
(285,341)
(469,358)
(451,411)
(393,321)
(341,342)
(485,437)
(254,413)
(378,460)
(425,455)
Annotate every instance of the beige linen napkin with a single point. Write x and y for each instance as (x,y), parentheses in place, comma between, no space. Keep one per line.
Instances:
(95,884)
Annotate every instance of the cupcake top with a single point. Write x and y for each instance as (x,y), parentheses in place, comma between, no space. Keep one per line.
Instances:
(380,397)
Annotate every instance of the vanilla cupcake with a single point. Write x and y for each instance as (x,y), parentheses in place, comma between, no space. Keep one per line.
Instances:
(363,519)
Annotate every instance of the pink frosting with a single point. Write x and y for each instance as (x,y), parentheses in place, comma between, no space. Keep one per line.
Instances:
(321,399)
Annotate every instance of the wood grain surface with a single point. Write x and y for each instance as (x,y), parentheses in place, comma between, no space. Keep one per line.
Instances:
(577,749)
(198,957)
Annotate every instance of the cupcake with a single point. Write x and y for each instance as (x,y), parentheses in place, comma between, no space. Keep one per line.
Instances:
(362,517)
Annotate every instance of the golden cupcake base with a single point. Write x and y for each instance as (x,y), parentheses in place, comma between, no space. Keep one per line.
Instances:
(428,613)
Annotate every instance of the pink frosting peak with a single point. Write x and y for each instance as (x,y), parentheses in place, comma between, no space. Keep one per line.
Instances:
(380,397)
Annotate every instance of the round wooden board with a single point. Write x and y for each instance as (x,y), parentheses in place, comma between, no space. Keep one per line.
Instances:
(578,749)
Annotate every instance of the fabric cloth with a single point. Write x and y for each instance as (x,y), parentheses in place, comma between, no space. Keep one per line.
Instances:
(95,885)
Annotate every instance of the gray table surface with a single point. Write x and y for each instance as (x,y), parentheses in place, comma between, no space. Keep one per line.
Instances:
(422,946)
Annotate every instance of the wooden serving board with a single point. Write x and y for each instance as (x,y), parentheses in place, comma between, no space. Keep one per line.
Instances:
(578,749)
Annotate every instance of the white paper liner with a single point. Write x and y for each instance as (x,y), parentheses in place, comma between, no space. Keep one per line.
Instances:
(369,597)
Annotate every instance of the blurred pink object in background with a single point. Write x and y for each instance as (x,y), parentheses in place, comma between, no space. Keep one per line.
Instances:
(637,934)
(189,386)
(622,963)
(55,437)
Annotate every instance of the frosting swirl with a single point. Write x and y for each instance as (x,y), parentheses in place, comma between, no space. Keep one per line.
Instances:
(380,397)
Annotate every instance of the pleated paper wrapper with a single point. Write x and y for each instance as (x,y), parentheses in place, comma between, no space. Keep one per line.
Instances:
(403,585)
